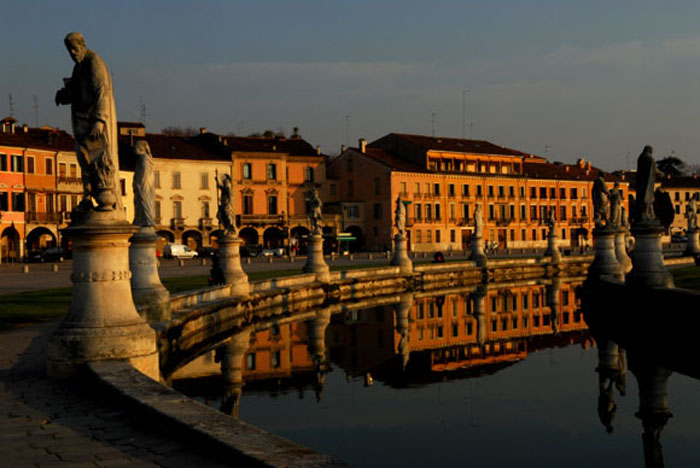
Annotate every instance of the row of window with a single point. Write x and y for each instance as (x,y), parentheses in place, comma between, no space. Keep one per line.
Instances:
(493,191)
(426,236)
(501,212)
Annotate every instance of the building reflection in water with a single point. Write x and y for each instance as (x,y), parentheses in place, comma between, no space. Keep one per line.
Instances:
(416,339)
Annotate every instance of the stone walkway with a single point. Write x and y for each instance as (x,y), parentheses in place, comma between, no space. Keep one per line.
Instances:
(48,423)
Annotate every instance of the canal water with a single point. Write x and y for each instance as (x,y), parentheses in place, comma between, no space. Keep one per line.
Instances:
(496,375)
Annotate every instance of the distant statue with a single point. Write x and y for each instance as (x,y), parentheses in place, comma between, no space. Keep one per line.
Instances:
(691,213)
(478,222)
(400,216)
(226,213)
(90,94)
(624,218)
(144,188)
(646,175)
(601,201)
(313,208)
(616,206)
(663,208)
(551,220)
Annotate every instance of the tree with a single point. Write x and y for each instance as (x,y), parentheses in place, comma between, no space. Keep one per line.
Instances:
(179,131)
(673,166)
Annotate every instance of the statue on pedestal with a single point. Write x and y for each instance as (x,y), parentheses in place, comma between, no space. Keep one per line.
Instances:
(601,201)
(226,213)
(89,92)
(552,219)
(478,221)
(400,216)
(144,189)
(646,175)
(691,213)
(616,206)
(313,208)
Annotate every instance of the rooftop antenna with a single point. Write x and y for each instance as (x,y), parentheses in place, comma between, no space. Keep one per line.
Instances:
(465,93)
(347,130)
(142,111)
(12,107)
(627,160)
(546,150)
(432,122)
(36,113)
(471,124)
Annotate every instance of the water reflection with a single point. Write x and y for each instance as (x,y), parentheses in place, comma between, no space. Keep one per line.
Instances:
(416,339)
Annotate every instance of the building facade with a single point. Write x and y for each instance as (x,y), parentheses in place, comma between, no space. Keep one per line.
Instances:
(443,180)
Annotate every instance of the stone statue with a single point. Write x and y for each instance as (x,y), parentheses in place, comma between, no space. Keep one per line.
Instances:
(400,216)
(616,206)
(646,175)
(601,201)
(226,213)
(144,189)
(478,221)
(313,208)
(552,220)
(691,213)
(89,92)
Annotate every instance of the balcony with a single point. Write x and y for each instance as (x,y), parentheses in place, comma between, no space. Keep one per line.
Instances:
(42,218)
(581,220)
(503,221)
(206,224)
(69,180)
(417,195)
(465,222)
(177,223)
(261,219)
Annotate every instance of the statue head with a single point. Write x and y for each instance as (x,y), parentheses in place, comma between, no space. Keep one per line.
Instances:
(75,43)
(648,150)
(141,148)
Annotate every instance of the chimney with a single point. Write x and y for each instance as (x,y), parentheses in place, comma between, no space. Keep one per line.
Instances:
(363,145)
(342,148)
(25,127)
(12,127)
(318,149)
(202,130)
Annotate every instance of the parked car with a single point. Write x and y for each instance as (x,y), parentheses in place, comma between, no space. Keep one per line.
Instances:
(178,251)
(250,250)
(48,254)
(278,252)
(204,252)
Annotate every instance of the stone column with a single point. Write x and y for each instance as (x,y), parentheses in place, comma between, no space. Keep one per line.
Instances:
(146,288)
(479,296)
(552,247)
(316,330)
(605,264)
(230,265)
(400,257)
(477,250)
(692,249)
(315,263)
(402,311)
(233,352)
(621,250)
(102,323)
(648,269)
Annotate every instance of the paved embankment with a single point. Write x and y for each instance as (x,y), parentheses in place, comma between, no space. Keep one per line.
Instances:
(47,423)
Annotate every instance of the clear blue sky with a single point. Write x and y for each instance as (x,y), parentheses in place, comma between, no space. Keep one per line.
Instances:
(593,79)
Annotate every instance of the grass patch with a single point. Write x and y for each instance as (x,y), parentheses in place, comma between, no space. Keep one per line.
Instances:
(33,306)
(687,277)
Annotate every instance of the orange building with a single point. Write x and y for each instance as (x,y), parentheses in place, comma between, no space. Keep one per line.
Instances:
(28,187)
(442,180)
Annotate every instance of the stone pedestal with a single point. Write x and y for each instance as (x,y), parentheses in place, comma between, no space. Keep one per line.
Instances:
(230,265)
(477,254)
(232,354)
(692,249)
(552,291)
(102,323)
(605,264)
(648,269)
(400,257)
(146,288)
(315,263)
(552,247)
(621,251)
